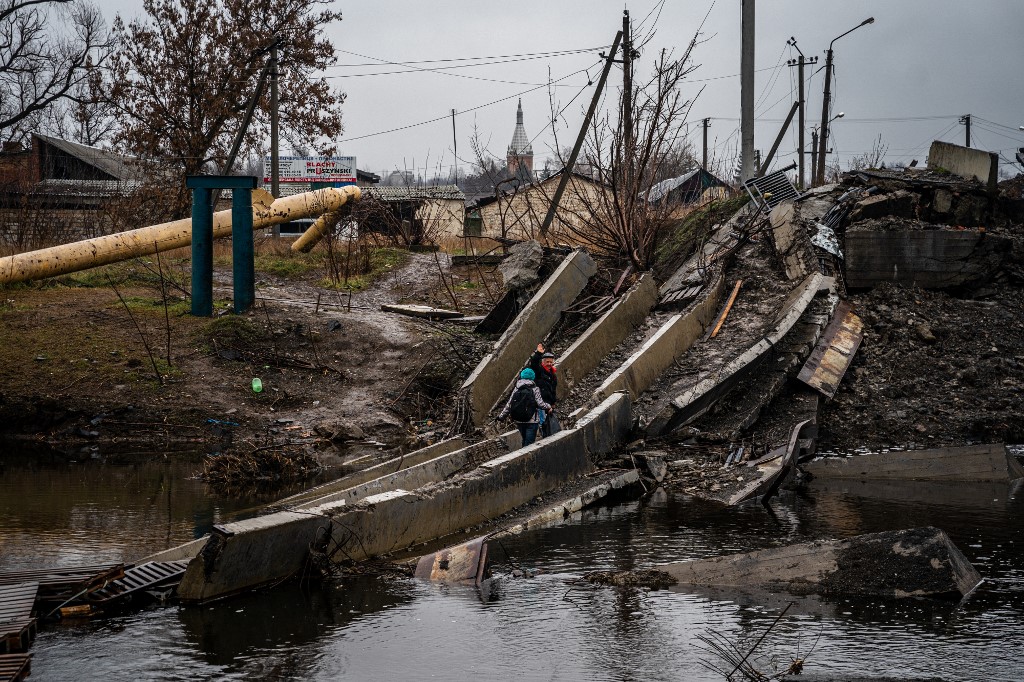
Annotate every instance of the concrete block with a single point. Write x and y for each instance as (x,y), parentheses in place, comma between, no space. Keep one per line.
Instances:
(673,339)
(790,241)
(973,164)
(969,463)
(487,382)
(587,352)
(930,259)
(919,562)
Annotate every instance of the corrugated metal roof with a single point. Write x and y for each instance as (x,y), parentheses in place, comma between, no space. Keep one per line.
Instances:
(116,165)
(385,193)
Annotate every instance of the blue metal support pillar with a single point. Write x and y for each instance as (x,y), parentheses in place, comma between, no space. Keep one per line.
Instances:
(202,252)
(243,258)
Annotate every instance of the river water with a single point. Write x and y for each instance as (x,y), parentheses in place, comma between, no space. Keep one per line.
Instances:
(538,622)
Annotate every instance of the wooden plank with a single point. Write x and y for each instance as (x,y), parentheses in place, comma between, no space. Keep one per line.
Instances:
(17,636)
(16,601)
(728,307)
(424,311)
(15,667)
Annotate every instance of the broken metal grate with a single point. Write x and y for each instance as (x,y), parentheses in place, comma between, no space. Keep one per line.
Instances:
(771,190)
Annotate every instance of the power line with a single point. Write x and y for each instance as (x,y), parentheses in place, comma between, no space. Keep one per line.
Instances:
(531,55)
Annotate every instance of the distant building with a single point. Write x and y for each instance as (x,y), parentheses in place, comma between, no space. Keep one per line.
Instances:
(520,152)
(519,211)
(688,188)
(58,191)
(412,215)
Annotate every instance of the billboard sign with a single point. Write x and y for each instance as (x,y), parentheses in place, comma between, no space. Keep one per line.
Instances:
(313,169)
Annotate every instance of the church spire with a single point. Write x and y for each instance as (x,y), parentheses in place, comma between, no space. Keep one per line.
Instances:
(520,152)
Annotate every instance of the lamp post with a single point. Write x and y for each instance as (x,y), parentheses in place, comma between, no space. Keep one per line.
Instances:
(823,139)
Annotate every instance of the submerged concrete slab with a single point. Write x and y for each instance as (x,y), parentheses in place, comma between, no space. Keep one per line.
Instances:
(929,258)
(920,562)
(255,552)
(969,463)
(488,381)
(674,338)
(587,352)
(699,398)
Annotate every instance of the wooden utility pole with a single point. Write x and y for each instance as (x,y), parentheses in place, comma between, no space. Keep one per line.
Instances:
(567,171)
(965,120)
(706,122)
(814,156)
(627,101)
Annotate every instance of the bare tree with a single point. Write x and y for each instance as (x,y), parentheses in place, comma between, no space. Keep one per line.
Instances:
(48,50)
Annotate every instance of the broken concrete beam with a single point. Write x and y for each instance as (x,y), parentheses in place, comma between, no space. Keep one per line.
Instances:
(254,552)
(605,427)
(898,204)
(520,268)
(424,311)
(593,345)
(929,258)
(658,353)
(969,463)
(653,465)
(418,475)
(485,385)
(699,398)
(791,242)
(920,562)
(972,164)
(391,466)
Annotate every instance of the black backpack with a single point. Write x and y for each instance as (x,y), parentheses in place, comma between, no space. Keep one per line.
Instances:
(524,404)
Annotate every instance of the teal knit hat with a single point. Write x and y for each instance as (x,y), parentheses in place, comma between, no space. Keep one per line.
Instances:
(527,374)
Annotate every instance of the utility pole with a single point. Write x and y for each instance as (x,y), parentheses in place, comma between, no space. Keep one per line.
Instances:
(275,159)
(455,148)
(567,171)
(706,122)
(800,62)
(747,91)
(627,100)
(827,101)
(965,120)
(814,155)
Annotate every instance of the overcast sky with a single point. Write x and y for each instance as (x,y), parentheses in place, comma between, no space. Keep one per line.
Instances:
(908,77)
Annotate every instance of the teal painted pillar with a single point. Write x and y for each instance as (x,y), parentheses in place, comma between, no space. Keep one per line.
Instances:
(243,267)
(202,252)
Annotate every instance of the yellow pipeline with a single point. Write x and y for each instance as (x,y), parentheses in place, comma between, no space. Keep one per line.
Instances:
(90,253)
(316,232)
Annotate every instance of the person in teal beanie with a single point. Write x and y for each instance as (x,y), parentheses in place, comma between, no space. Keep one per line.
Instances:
(523,405)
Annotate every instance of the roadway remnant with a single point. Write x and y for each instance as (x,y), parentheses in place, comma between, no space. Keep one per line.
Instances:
(835,350)
(465,564)
(991,462)
(919,562)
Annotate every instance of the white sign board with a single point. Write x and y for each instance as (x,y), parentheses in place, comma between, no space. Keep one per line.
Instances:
(312,169)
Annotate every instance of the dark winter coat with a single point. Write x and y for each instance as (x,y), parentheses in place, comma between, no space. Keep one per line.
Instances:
(546,381)
(536,396)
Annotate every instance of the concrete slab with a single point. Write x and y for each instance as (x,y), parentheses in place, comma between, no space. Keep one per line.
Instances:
(699,398)
(970,463)
(484,386)
(966,162)
(674,338)
(920,562)
(424,311)
(593,345)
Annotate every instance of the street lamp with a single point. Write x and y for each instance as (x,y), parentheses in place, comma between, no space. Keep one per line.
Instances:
(823,140)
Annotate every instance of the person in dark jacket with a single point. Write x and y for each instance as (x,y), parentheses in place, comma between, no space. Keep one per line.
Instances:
(527,429)
(542,363)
